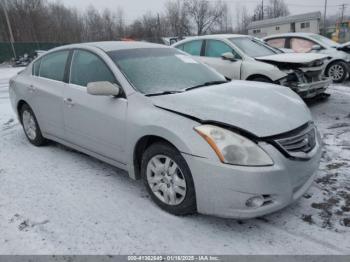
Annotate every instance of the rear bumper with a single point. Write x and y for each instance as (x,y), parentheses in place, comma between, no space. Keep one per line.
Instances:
(310,90)
(223,190)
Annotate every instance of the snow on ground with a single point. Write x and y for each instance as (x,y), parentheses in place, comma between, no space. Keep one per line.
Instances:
(54,200)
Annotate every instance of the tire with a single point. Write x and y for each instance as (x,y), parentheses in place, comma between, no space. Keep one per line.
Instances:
(31,127)
(261,79)
(170,186)
(337,71)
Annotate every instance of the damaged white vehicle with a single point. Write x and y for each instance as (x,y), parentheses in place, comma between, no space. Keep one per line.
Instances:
(246,58)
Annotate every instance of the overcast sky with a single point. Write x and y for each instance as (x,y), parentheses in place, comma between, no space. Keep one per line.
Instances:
(135,8)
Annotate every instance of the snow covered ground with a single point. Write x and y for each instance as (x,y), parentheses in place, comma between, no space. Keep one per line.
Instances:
(54,200)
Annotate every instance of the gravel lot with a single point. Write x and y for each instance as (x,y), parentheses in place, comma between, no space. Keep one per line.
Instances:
(54,200)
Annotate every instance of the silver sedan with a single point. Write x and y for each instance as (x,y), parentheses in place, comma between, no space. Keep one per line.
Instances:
(201,144)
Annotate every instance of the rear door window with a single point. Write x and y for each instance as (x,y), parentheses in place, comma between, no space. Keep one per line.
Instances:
(301,45)
(193,48)
(53,65)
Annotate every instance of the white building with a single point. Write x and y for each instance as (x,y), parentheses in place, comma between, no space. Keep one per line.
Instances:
(309,22)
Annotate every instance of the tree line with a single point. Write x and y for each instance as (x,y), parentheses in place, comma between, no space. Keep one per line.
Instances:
(45,21)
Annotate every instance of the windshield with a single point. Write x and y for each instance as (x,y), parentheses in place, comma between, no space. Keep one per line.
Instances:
(324,40)
(251,47)
(157,70)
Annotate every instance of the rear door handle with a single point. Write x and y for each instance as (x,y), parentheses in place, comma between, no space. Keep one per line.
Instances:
(68,101)
(31,88)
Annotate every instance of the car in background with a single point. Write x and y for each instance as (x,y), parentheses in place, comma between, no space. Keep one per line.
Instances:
(247,58)
(337,67)
(200,143)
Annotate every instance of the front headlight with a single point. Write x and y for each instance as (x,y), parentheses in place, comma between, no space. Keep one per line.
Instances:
(348,58)
(232,148)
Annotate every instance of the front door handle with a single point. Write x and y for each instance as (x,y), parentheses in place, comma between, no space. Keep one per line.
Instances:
(68,101)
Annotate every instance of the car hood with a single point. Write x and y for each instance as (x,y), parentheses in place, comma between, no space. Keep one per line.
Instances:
(293,58)
(258,108)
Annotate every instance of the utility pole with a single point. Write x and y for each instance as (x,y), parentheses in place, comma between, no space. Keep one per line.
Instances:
(262,9)
(341,31)
(12,40)
(158,27)
(342,12)
(324,18)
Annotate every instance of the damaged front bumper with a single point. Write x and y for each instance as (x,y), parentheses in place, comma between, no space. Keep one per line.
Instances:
(306,88)
(310,90)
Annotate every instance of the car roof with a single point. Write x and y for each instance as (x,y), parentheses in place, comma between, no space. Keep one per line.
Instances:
(301,34)
(217,36)
(108,46)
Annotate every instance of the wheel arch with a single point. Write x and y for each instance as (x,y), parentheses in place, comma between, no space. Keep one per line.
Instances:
(333,62)
(141,145)
(253,76)
(19,107)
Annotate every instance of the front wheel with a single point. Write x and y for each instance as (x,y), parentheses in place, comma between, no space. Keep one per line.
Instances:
(337,71)
(168,179)
(31,127)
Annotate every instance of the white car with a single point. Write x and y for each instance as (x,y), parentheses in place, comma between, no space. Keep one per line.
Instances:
(338,67)
(247,58)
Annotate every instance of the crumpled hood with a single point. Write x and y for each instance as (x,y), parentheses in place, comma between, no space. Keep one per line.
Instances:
(295,58)
(259,108)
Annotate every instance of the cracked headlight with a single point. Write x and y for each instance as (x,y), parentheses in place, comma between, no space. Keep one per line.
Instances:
(232,148)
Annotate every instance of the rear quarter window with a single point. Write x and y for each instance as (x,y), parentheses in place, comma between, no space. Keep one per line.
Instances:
(36,68)
(53,65)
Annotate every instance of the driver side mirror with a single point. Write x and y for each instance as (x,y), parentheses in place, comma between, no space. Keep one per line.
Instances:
(316,48)
(103,88)
(228,56)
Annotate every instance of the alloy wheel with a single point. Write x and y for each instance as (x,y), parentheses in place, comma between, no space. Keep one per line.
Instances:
(336,72)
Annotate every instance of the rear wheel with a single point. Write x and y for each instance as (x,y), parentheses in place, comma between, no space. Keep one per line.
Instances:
(337,71)
(31,127)
(168,179)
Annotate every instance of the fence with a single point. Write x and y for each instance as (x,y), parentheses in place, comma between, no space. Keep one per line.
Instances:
(23,48)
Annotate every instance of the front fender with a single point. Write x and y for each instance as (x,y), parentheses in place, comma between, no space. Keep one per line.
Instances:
(250,68)
(177,129)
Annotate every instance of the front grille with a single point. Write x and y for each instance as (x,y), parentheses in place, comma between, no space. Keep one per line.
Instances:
(299,143)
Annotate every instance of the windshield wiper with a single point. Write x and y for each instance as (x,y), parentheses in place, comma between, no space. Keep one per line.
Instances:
(165,93)
(210,83)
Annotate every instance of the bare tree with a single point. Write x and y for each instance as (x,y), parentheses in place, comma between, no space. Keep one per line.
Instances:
(177,20)
(259,12)
(120,23)
(204,14)
(277,8)
(243,20)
